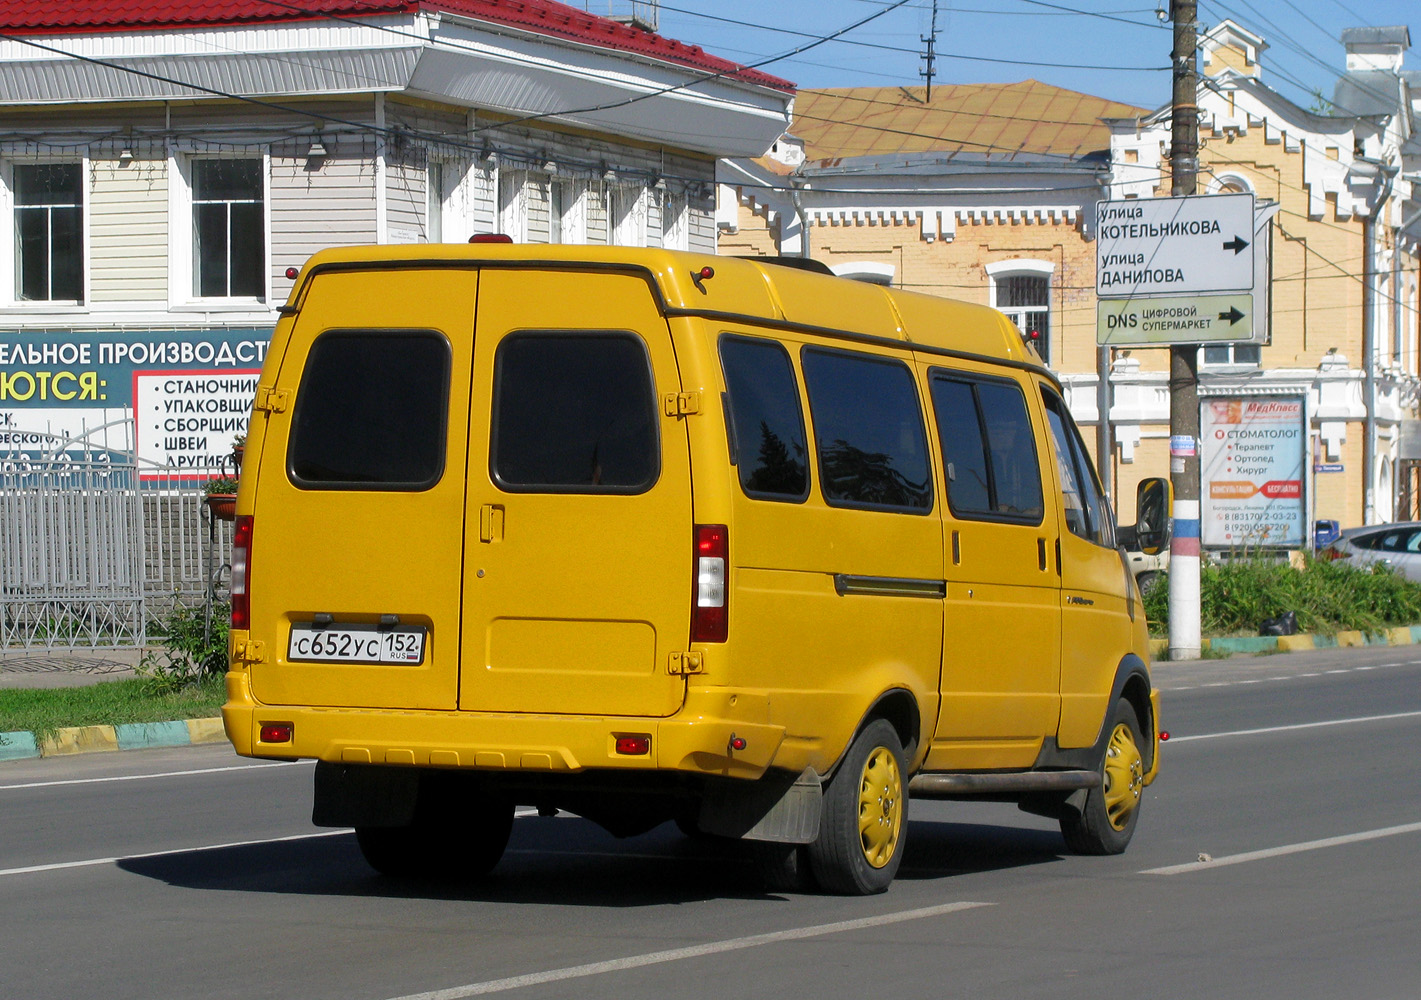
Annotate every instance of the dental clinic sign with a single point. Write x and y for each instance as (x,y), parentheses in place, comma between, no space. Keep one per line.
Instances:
(1252,472)
(175,397)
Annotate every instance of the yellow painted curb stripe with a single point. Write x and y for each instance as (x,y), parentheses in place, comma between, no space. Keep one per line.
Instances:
(206,730)
(79,739)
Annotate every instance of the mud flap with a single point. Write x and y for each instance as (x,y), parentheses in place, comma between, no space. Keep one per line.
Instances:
(780,807)
(364,795)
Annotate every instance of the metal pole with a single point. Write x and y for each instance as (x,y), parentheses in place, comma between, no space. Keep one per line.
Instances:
(1184,614)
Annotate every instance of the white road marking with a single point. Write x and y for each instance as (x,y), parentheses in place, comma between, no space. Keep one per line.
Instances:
(682,954)
(1277,852)
(93,862)
(145,777)
(1300,725)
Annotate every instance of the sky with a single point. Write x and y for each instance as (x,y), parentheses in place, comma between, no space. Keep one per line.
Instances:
(1123,44)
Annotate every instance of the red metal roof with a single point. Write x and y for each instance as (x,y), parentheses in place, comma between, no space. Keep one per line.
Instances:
(544,17)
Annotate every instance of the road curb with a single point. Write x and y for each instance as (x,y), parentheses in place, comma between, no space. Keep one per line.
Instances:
(1252,644)
(101,739)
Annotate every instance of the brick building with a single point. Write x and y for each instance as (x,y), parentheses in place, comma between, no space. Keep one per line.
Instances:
(988,193)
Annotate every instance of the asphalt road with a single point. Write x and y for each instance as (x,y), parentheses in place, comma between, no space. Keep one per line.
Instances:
(191,873)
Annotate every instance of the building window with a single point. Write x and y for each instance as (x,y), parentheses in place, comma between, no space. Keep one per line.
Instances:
(675,226)
(228,228)
(1232,355)
(513,204)
(49,239)
(626,205)
(1022,290)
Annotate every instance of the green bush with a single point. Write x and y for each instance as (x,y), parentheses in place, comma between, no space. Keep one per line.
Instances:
(1327,597)
(193,648)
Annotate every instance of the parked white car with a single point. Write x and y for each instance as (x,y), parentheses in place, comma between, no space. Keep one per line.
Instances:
(1395,545)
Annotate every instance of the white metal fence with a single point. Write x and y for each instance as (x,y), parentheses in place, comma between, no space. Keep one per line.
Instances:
(95,550)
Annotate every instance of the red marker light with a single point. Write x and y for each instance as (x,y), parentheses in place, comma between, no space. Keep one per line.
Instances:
(490,238)
(1163,737)
(637,745)
(737,742)
(706,273)
(277,732)
(292,272)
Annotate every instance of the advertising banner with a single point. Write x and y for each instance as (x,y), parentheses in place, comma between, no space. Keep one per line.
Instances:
(1252,472)
(175,397)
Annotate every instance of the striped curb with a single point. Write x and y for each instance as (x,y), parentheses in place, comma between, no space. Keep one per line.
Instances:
(1405,636)
(128,736)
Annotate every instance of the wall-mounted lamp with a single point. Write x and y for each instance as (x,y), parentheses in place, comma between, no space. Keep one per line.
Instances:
(608,174)
(317,149)
(550,167)
(125,156)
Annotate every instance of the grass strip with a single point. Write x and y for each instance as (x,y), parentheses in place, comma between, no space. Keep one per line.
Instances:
(134,699)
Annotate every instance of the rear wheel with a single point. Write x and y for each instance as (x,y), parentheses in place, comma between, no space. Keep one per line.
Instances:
(1106,821)
(865,816)
(455,841)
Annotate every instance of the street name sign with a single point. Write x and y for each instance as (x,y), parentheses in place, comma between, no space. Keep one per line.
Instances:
(1174,246)
(1175,319)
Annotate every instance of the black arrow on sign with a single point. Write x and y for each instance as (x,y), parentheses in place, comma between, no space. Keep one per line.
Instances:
(1237,245)
(1233,315)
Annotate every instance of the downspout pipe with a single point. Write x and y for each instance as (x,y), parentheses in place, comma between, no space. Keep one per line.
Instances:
(1387,172)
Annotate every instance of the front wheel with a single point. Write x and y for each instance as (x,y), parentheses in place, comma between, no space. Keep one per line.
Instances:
(865,816)
(1106,821)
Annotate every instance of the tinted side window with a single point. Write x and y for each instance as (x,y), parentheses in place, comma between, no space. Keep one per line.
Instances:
(574,413)
(868,428)
(371,411)
(988,450)
(1087,513)
(767,425)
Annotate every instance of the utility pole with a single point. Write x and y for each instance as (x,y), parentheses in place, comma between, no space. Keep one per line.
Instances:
(931,57)
(1184,445)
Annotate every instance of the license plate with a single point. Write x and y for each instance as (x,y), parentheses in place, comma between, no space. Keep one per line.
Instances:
(356,644)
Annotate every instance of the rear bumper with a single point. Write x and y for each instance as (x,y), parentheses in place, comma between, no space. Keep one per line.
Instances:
(696,740)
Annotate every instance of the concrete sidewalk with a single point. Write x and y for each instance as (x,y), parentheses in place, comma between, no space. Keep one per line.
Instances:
(80,667)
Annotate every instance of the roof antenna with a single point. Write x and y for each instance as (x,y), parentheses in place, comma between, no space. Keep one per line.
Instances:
(930,40)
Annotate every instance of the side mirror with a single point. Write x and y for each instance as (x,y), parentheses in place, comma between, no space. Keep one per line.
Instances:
(1154,499)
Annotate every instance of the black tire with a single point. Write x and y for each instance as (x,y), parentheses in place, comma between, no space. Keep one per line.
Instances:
(1147,581)
(865,818)
(783,867)
(454,842)
(1106,821)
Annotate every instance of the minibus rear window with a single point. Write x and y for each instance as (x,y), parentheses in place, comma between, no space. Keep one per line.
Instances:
(868,428)
(371,411)
(574,413)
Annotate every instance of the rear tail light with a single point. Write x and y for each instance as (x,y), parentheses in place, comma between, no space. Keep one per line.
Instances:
(277,732)
(709,620)
(1331,554)
(241,570)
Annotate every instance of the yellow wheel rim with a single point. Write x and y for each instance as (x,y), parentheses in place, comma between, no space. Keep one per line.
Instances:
(1124,777)
(880,807)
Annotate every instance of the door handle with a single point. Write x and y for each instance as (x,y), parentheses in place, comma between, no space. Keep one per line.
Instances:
(491,522)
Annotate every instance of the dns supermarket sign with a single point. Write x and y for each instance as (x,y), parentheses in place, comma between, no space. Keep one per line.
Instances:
(1252,473)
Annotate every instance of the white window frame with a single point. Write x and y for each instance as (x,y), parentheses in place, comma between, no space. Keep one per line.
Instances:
(999,271)
(567,209)
(9,293)
(450,199)
(181,251)
(628,211)
(1232,363)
